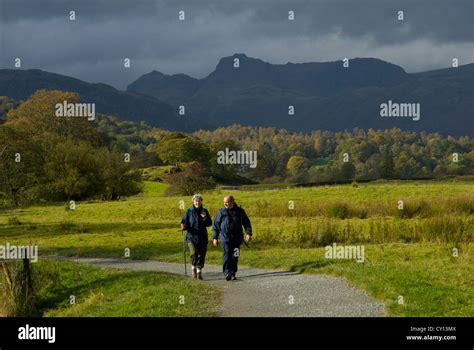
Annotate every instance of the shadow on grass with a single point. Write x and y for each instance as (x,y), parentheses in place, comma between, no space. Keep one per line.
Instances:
(137,251)
(60,294)
(310,265)
(33,230)
(281,273)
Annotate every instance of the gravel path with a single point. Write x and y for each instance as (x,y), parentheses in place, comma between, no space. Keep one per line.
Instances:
(272,293)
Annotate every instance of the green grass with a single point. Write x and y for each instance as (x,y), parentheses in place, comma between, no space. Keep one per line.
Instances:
(156,173)
(154,189)
(257,187)
(407,254)
(321,163)
(108,292)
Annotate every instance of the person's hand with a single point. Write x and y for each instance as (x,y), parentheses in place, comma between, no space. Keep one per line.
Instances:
(215,242)
(248,238)
(203,214)
(183,226)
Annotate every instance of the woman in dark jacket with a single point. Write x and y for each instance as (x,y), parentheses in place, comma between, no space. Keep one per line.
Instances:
(195,221)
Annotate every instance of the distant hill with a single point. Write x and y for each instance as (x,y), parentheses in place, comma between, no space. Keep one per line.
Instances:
(170,88)
(324,95)
(20,84)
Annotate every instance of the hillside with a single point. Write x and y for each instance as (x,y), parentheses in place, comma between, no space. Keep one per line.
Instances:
(20,84)
(325,95)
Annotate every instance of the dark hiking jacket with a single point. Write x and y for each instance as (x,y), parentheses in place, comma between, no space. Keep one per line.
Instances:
(196,226)
(228,224)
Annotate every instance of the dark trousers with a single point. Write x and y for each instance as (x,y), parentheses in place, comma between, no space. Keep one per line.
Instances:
(230,256)
(198,254)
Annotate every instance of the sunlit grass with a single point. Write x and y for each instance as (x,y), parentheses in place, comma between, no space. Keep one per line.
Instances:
(408,253)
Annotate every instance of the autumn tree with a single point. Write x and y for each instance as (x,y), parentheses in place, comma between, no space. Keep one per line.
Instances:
(36,117)
(175,151)
(298,168)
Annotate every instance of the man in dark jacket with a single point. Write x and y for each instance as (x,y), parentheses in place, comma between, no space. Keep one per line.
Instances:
(227,229)
(195,221)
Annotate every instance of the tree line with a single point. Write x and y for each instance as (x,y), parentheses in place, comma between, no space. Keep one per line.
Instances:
(318,156)
(356,154)
(44,157)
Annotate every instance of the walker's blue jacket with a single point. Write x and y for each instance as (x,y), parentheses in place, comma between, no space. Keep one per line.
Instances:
(228,224)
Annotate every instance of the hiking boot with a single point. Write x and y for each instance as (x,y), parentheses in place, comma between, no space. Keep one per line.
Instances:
(194,272)
(228,277)
(199,274)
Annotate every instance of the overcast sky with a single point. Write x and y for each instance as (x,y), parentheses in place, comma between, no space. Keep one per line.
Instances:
(92,47)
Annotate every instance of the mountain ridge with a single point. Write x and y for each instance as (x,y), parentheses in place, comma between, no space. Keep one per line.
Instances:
(324,95)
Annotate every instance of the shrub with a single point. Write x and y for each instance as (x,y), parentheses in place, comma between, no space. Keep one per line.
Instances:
(194,178)
(13,220)
(80,171)
(361,213)
(339,211)
(412,209)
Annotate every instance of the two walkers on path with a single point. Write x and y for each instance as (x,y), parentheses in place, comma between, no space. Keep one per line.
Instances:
(226,229)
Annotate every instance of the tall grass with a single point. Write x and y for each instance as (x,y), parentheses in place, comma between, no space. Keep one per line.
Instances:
(13,220)
(325,231)
(343,209)
(17,296)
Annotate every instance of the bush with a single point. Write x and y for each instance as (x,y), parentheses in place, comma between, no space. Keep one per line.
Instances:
(43,193)
(13,220)
(80,171)
(361,213)
(74,169)
(339,211)
(119,179)
(18,177)
(412,209)
(194,178)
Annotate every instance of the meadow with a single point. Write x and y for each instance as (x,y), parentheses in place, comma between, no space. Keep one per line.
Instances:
(69,289)
(422,252)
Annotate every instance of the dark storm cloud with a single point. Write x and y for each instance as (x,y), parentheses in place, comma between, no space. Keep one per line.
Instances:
(107,31)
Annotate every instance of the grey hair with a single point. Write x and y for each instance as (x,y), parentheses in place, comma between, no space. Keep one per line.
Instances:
(197,196)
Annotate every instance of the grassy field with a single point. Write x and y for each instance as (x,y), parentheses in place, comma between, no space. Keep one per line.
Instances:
(408,252)
(107,292)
